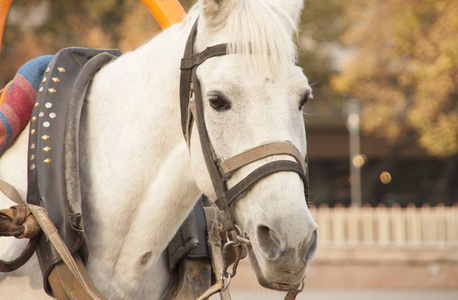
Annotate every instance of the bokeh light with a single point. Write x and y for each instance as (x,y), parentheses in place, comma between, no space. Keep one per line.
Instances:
(385,177)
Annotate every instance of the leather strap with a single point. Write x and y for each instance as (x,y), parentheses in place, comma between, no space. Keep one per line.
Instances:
(69,267)
(185,81)
(218,184)
(10,192)
(260,173)
(65,285)
(9,266)
(260,152)
(195,60)
(188,63)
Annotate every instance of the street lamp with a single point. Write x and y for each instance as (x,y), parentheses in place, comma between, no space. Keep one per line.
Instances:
(356,159)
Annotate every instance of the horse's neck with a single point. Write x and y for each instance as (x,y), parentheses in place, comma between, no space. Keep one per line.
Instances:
(136,164)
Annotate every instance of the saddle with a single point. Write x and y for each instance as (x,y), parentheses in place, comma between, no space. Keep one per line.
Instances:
(53,171)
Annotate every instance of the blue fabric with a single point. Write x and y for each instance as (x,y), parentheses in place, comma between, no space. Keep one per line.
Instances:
(9,132)
(34,69)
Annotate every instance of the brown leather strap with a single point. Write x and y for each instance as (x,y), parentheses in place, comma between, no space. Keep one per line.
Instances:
(72,276)
(66,286)
(68,262)
(260,173)
(14,219)
(9,266)
(185,81)
(10,192)
(197,59)
(188,63)
(218,184)
(260,152)
(19,222)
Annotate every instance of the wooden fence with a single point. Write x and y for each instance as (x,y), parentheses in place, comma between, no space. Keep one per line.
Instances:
(387,226)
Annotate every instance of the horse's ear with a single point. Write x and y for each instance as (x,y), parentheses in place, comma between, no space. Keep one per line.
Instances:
(215,11)
(292,7)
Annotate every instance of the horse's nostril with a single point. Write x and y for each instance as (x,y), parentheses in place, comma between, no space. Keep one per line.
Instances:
(268,241)
(311,246)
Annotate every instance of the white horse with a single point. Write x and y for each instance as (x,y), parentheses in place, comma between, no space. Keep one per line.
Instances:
(139,178)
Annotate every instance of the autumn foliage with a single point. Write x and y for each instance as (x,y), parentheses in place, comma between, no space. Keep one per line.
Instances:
(404,70)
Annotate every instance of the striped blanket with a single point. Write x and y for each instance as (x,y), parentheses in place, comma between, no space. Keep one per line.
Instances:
(17,100)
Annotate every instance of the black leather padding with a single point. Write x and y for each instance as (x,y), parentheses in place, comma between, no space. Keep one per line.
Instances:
(190,239)
(68,74)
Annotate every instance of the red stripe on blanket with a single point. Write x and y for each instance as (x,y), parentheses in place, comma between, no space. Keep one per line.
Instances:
(20,99)
(22,83)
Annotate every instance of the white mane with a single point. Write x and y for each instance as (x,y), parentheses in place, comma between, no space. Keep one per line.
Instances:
(261,32)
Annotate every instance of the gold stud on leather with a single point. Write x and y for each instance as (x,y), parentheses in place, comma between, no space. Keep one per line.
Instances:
(48,161)
(55,79)
(47,149)
(34,119)
(62,70)
(52,90)
(36,104)
(45,137)
(32,132)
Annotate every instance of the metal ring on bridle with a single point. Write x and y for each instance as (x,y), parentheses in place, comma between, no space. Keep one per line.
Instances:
(226,281)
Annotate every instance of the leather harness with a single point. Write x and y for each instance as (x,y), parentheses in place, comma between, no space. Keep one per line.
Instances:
(220,170)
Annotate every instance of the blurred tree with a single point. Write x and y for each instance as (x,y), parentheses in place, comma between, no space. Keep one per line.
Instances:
(319,50)
(405,70)
(41,27)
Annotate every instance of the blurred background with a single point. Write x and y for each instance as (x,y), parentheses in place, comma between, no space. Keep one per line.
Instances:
(382,130)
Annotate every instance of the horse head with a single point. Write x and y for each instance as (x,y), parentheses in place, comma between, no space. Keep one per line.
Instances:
(251,97)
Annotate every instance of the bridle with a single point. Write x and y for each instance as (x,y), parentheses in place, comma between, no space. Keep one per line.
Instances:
(220,170)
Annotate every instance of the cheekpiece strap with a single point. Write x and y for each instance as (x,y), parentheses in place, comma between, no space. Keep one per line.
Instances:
(188,63)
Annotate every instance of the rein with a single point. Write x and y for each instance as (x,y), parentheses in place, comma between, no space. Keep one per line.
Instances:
(220,170)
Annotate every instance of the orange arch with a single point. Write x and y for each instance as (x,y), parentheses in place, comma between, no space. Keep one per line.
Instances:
(166,12)
(4,7)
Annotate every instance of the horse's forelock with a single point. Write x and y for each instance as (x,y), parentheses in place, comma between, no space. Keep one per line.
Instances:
(261,28)
(260,31)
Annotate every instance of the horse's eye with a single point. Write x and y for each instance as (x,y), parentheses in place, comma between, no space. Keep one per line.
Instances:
(305,98)
(219,102)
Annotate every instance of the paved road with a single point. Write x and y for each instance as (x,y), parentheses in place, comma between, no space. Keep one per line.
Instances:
(263,294)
